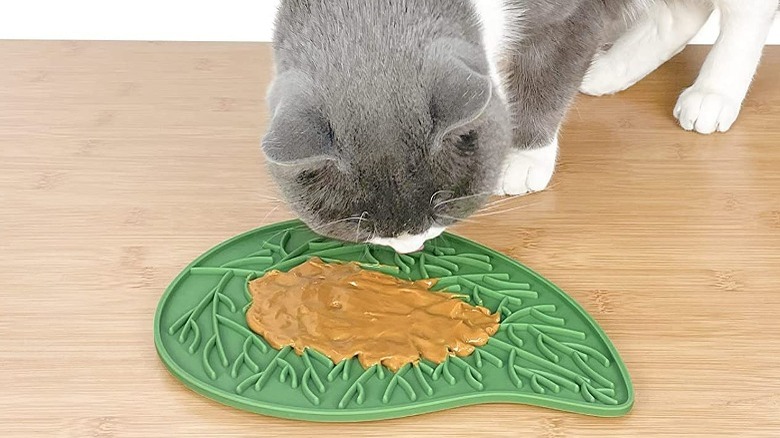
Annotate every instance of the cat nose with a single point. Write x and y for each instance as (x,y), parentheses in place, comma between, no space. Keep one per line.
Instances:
(407,243)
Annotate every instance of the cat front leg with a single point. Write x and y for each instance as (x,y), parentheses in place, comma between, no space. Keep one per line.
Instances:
(713,102)
(542,72)
(661,32)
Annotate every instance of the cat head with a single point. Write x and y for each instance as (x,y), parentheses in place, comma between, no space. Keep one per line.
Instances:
(391,157)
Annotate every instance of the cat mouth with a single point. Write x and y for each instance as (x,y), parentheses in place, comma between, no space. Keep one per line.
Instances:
(408,243)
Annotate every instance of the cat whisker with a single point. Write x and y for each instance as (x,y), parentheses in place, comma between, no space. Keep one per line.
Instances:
(326,225)
(269,197)
(373,234)
(495,212)
(505,199)
(360,219)
(461,198)
(270,213)
(458,219)
(498,202)
(438,193)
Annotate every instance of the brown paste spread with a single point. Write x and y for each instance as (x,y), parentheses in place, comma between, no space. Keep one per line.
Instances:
(343,310)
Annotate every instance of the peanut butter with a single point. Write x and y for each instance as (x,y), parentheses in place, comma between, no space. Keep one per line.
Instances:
(343,311)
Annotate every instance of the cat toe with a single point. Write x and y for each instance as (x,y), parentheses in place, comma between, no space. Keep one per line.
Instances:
(528,170)
(706,112)
(513,180)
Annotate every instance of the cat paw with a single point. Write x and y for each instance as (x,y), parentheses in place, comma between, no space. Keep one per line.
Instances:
(528,170)
(706,112)
(607,75)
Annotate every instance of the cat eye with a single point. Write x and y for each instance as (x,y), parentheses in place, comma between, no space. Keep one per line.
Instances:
(467,143)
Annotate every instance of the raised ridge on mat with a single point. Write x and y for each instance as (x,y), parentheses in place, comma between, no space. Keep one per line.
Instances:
(547,352)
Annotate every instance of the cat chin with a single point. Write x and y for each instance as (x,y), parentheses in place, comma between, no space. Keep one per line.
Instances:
(408,243)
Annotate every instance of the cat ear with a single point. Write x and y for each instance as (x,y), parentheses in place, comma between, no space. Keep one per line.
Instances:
(299,132)
(461,89)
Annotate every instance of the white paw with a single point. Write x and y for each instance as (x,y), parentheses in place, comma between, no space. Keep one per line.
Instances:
(705,111)
(607,75)
(528,170)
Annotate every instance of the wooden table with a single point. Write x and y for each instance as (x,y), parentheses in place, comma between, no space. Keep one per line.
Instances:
(121,162)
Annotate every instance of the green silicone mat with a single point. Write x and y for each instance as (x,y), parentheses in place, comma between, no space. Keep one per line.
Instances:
(548,351)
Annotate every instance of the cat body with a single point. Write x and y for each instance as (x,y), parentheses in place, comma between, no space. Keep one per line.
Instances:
(713,102)
(393,120)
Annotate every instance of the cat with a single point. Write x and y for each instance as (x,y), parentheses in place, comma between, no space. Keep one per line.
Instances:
(392,120)
(714,101)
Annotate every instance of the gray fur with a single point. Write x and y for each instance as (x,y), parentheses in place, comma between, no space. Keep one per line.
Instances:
(384,109)
(544,69)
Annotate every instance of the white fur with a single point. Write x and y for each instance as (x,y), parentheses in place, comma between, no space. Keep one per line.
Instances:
(713,102)
(658,35)
(528,170)
(500,24)
(406,243)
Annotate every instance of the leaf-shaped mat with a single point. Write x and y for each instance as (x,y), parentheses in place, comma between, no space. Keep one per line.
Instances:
(547,352)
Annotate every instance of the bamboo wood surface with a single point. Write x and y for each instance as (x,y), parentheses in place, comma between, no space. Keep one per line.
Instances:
(121,162)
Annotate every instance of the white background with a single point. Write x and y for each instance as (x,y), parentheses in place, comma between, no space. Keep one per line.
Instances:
(166,20)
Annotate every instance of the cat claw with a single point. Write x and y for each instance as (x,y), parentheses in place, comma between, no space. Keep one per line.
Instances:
(706,112)
(527,170)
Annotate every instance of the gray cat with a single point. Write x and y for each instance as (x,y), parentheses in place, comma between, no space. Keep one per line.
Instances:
(392,120)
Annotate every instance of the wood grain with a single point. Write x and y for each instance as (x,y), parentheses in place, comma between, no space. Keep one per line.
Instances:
(121,162)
